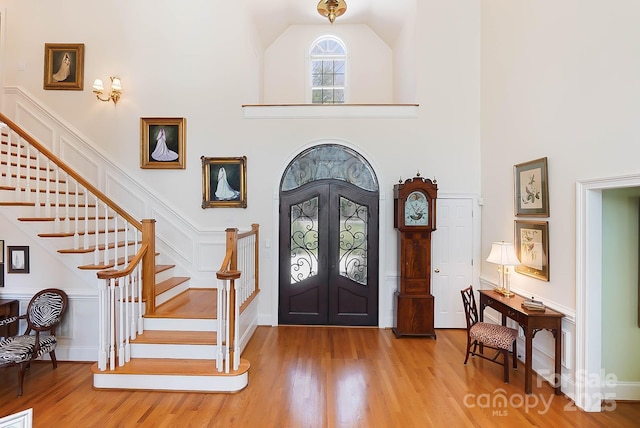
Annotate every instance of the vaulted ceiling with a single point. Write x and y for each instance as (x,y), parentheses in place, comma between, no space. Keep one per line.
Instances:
(385,17)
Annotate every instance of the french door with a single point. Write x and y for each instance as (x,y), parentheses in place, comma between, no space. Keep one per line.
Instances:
(328,258)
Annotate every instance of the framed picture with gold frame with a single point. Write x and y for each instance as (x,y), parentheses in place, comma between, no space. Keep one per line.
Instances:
(163,142)
(224,182)
(532,248)
(531,188)
(64,66)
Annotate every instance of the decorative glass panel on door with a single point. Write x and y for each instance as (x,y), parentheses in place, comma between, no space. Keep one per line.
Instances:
(354,220)
(304,240)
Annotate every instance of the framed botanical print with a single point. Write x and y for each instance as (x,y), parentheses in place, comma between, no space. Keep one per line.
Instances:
(531,188)
(163,142)
(224,182)
(64,66)
(532,248)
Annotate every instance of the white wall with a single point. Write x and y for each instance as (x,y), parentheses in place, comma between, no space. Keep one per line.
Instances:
(191,61)
(559,79)
(287,72)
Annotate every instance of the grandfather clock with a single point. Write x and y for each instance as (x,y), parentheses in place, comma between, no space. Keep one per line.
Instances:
(414,216)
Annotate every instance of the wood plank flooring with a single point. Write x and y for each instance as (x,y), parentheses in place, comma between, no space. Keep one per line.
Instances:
(318,377)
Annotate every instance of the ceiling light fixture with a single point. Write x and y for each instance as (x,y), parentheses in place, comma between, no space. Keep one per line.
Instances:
(332,8)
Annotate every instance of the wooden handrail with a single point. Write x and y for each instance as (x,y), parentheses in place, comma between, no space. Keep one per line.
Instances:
(113,273)
(94,190)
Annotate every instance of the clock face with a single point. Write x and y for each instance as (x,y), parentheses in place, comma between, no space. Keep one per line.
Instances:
(416,210)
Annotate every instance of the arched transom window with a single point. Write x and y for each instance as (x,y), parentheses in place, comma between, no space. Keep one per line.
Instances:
(328,57)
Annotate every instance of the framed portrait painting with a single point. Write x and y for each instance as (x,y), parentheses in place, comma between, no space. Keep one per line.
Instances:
(163,142)
(18,259)
(64,66)
(531,188)
(532,248)
(224,182)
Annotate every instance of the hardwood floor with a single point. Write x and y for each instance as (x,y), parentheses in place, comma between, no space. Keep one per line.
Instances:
(318,377)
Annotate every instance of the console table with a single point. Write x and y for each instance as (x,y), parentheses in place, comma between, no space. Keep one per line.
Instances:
(531,323)
(9,308)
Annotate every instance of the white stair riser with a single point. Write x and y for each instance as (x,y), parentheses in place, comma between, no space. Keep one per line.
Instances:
(170,294)
(227,383)
(194,352)
(179,324)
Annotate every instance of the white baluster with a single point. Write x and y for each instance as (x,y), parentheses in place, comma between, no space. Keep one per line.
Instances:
(106,235)
(96,253)
(38,173)
(67,221)
(76,208)
(112,324)
(103,324)
(121,354)
(85,244)
(56,210)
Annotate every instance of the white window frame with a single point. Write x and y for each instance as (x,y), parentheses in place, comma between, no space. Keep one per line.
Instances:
(309,68)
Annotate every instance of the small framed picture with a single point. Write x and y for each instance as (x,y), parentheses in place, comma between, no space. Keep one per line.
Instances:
(64,66)
(224,182)
(162,142)
(531,188)
(18,259)
(532,248)
(1,263)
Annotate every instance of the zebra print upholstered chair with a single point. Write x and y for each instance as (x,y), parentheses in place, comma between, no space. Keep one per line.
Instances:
(44,313)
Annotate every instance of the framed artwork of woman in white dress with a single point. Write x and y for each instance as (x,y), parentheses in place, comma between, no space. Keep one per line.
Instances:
(224,182)
(64,66)
(162,143)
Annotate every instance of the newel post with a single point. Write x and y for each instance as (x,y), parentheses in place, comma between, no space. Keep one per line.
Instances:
(149,265)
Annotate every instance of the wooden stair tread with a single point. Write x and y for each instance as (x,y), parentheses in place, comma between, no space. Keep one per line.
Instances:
(17,204)
(169,366)
(81,233)
(110,264)
(176,337)
(93,218)
(194,303)
(168,284)
(92,248)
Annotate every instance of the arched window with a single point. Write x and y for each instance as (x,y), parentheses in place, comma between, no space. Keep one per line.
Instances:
(328,57)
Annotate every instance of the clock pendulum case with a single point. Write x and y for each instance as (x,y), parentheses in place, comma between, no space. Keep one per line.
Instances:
(414,216)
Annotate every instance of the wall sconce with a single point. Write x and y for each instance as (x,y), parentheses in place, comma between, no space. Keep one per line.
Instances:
(503,254)
(116,90)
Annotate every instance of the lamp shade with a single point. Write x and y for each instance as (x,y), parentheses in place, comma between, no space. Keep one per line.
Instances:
(98,85)
(503,253)
(116,85)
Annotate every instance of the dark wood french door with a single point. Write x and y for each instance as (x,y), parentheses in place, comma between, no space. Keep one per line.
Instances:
(328,267)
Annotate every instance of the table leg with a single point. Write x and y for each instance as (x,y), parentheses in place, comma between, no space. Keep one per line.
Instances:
(527,360)
(558,358)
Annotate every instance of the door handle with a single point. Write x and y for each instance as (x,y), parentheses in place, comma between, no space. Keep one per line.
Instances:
(437,270)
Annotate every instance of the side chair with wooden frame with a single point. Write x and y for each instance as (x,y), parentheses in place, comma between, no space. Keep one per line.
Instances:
(44,313)
(496,337)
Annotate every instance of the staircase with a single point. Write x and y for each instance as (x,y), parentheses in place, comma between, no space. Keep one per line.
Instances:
(172,343)
(177,351)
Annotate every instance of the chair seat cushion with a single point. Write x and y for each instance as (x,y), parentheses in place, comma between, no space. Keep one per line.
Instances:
(494,335)
(17,349)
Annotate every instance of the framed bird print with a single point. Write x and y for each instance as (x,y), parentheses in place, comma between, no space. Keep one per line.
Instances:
(531,188)
(64,66)
(224,182)
(162,142)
